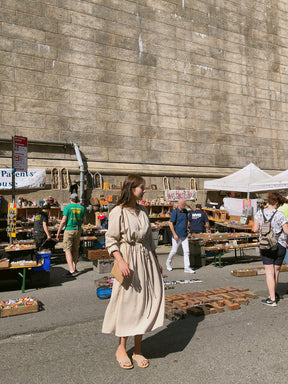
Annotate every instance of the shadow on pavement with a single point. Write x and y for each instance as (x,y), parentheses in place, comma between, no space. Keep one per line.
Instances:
(174,338)
(282,289)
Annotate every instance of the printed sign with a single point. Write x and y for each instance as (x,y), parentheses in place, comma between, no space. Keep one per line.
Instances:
(20,153)
(31,179)
(11,220)
(174,195)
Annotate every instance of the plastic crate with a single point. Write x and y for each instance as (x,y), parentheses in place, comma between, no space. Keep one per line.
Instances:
(101,237)
(99,244)
(103,266)
(46,265)
(104,292)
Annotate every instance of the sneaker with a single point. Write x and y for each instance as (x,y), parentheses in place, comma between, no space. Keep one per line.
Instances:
(268,301)
(168,266)
(189,270)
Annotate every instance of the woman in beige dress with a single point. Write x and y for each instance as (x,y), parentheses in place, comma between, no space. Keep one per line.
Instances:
(137,305)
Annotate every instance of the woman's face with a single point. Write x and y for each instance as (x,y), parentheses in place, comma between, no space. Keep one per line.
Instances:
(139,191)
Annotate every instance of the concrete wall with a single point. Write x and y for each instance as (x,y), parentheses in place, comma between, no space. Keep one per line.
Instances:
(176,87)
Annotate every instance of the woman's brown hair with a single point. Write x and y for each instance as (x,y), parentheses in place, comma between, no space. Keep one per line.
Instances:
(275,197)
(131,181)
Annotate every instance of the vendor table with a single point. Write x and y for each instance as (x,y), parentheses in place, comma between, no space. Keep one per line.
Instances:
(219,249)
(214,237)
(234,227)
(21,248)
(87,242)
(23,273)
(214,242)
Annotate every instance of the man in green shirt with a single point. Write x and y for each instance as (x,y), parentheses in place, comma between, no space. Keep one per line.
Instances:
(74,215)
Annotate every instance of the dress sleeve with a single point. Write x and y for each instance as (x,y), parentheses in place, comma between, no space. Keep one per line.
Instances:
(113,235)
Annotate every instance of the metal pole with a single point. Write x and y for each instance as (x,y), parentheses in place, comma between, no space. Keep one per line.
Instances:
(203,199)
(13,173)
(13,190)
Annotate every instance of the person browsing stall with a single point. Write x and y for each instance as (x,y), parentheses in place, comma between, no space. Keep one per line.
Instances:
(40,232)
(273,259)
(198,220)
(74,215)
(178,225)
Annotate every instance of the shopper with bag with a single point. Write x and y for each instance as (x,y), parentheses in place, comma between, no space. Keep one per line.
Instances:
(137,301)
(273,228)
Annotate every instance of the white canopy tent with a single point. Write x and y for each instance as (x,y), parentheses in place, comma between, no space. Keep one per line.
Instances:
(277,182)
(248,179)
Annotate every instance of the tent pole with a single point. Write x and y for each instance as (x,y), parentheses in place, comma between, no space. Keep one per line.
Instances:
(203,198)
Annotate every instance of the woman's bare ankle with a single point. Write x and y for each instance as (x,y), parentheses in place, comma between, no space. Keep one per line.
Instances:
(121,351)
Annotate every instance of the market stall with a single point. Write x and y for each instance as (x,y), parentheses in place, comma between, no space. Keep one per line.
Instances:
(244,180)
(218,243)
(248,179)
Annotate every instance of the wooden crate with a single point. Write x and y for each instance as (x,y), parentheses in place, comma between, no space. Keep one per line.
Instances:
(4,264)
(98,254)
(6,312)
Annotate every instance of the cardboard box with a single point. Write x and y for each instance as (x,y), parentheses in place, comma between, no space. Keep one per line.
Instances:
(103,266)
(4,264)
(13,311)
(98,254)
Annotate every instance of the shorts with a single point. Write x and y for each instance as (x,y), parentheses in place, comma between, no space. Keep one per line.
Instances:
(273,257)
(71,240)
(39,240)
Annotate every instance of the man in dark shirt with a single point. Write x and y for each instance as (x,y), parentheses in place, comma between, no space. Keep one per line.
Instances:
(178,226)
(198,220)
(41,233)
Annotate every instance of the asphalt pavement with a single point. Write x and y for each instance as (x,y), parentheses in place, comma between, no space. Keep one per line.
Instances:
(63,343)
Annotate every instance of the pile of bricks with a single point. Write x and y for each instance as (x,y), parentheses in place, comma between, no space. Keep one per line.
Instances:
(206,302)
(255,271)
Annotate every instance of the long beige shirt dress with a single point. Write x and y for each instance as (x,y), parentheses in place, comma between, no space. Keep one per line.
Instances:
(137,307)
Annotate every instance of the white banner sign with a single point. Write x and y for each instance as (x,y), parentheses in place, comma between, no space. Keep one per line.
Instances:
(32,179)
(174,195)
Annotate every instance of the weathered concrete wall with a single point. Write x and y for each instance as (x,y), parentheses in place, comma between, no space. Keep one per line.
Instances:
(200,83)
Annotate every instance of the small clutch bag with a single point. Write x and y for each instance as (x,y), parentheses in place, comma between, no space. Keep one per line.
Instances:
(115,272)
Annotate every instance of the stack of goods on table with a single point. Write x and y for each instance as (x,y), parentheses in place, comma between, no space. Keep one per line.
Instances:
(254,271)
(4,263)
(21,255)
(19,306)
(19,247)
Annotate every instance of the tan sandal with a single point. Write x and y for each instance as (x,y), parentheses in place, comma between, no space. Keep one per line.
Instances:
(141,361)
(124,361)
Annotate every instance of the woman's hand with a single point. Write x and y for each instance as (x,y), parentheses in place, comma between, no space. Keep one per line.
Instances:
(160,267)
(124,268)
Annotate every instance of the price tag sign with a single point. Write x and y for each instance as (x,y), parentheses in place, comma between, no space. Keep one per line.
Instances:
(20,153)
(11,220)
